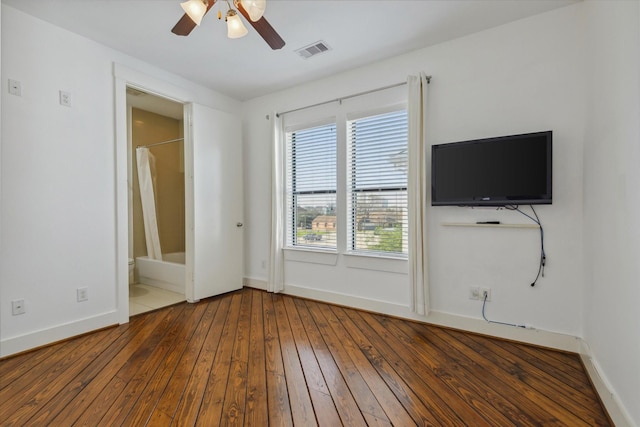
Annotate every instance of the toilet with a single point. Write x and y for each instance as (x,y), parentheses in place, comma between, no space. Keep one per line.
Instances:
(132,266)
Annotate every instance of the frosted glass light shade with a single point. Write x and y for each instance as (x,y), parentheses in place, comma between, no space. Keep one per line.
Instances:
(195,9)
(255,8)
(235,27)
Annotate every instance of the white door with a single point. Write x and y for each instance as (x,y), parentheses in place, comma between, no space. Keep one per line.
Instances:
(213,153)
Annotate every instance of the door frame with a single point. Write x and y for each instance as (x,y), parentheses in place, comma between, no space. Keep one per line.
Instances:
(126,77)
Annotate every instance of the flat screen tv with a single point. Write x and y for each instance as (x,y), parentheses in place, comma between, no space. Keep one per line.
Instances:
(506,170)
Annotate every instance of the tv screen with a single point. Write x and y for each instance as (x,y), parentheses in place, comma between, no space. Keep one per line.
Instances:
(506,170)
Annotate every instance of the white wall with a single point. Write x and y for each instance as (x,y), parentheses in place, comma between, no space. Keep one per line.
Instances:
(522,77)
(612,199)
(57,178)
(58,217)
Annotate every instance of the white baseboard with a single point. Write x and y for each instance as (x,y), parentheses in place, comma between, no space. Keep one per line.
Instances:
(615,408)
(36,339)
(255,283)
(530,336)
(539,337)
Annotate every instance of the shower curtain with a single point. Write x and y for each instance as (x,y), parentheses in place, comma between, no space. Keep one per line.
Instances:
(146,167)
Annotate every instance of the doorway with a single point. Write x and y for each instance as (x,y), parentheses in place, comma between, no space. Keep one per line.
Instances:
(213,189)
(156,176)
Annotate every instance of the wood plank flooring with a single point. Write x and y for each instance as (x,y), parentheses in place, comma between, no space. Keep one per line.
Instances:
(256,359)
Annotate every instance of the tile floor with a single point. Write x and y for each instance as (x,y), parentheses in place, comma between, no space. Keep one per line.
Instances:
(143,298)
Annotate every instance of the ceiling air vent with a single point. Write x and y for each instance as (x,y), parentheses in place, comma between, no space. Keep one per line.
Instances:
(313,49)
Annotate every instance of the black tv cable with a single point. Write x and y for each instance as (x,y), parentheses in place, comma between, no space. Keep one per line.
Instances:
(543,255)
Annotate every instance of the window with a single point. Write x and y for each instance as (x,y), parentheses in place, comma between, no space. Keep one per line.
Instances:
(346,182)
(377,183)
(311,185)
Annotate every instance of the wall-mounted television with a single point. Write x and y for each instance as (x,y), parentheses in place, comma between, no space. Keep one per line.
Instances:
(500,171)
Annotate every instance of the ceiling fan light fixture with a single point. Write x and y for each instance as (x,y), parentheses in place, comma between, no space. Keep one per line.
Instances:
(195,9)
(235,27)
(255,8)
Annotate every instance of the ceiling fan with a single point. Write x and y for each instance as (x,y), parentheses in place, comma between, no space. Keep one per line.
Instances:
(252,11)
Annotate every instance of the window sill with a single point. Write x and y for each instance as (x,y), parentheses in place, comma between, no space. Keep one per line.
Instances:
(314,256)
(377,262)
(363,261)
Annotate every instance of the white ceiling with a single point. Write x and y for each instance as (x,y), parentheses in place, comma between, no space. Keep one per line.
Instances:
(358,31)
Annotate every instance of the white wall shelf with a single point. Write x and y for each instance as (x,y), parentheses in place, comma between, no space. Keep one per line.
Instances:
(473,224)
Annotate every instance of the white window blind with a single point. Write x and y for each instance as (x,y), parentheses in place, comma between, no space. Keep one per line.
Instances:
(377,183)
(311,184)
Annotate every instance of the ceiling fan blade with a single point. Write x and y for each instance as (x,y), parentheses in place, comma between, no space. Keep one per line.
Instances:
(263,28)
(185,25)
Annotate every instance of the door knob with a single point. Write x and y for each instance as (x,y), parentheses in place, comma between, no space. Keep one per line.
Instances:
(239,225)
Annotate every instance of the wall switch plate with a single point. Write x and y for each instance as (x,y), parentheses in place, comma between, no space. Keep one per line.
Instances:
(15,87)
(65,98)
(17,307)
(82,294)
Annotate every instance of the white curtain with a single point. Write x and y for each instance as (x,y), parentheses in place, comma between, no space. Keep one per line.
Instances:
(417,193)
(276,255)
(146,162)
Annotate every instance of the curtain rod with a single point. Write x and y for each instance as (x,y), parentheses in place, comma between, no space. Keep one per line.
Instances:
(160,143)
(348,97)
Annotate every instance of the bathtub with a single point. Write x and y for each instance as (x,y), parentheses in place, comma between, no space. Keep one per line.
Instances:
(167,274)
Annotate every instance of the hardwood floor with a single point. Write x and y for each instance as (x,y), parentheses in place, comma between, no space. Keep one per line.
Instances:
(257,359)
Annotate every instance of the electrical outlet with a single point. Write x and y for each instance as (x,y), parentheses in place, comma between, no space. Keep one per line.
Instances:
(474,292)
(17,307)
(65,98)
(82,294)
(487,292)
